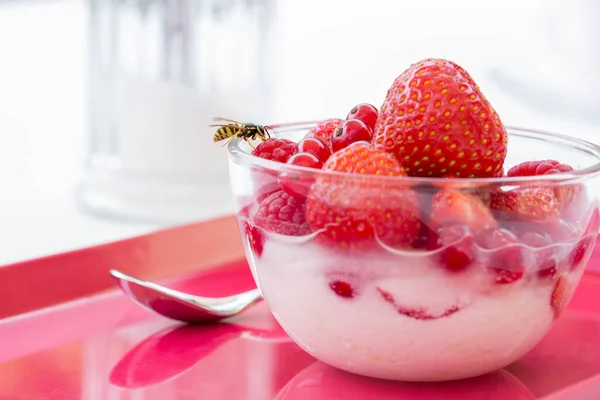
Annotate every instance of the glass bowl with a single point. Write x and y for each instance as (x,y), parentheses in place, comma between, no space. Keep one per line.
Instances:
(392,288)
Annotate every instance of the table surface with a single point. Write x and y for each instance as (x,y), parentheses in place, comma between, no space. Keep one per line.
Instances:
(110,348)
(43,116)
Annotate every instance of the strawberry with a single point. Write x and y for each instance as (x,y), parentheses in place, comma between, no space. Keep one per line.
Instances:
(355,210)
(323,130)
(342,289)
(561,295)
(436,121)
(538,204)
(283,214)
(453,207)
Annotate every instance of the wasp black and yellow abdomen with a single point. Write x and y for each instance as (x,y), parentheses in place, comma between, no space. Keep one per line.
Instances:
(226,131)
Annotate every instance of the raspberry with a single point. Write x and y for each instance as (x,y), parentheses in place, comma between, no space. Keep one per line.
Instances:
(366,113)
(282,214)
(349,132)
(275,149)
(540,167)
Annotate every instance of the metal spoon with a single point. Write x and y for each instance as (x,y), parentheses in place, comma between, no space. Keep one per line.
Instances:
(182,306)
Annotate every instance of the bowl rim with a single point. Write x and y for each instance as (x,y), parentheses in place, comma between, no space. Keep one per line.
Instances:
(237,153)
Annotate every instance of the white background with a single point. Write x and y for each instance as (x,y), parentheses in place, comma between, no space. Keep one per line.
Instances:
(332,54)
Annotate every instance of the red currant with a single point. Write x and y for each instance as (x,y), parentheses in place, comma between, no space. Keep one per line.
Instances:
(298,184)
(305,160)
(350,131)
(366,113)
(315,147)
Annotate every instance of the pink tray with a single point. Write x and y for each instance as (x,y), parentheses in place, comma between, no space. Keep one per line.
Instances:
(102,346)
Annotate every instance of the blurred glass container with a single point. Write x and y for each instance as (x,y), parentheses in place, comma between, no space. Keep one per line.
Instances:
(160,70)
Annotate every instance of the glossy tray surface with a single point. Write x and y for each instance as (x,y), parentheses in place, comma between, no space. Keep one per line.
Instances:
(109,348)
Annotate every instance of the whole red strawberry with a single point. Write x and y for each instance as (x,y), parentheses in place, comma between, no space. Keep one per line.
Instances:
(323,130)
(359,207)
(436,121)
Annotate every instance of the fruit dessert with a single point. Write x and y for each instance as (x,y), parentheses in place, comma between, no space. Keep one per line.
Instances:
(399,243)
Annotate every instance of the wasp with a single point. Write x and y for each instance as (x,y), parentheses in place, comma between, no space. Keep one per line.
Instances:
(239,129)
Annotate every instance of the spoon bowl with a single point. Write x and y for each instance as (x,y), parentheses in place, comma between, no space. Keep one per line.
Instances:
(181,306)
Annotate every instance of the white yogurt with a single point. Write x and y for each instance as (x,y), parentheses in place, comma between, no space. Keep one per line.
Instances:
(495,325)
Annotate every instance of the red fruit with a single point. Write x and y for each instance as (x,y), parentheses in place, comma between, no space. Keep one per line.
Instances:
(579,253)
(457,243)
(342,289)
(436,121)
(305,160)
(561,295)
(356,209)
(567,196)
(539,167)
(298,184)
(454,207)
(537,204)
(366,113)
(505,257)
(426,239)
(256,239)
(416,313)
(275,149)
(283,214)
(323,130)
(349,132)
(315,147)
